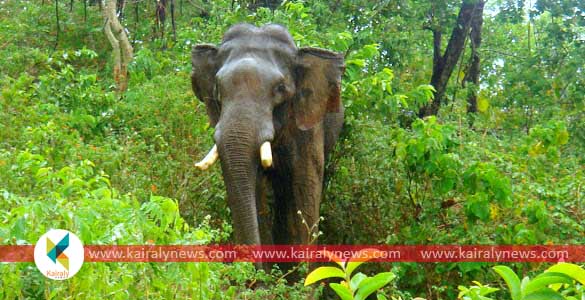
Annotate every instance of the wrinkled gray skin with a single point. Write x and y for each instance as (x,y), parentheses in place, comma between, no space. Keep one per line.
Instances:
(258,86)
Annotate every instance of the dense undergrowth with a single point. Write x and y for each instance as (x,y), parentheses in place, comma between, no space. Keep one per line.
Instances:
(118,168)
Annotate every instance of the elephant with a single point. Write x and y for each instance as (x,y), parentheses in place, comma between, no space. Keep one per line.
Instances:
(277,114)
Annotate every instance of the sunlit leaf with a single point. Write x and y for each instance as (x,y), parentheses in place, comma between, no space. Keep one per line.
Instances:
(511,280)
(323,273)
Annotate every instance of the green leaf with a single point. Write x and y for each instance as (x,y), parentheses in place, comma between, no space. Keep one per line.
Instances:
(562,137)
(42,172)
(370,51)
(546,294)
(381,297)
(323,273)
(486,290)
(511,280)
(362,256)
(571,270)
(523,284)
(482,104)
(462,292)
(19,228)
(342,291)
(372,284)
(479,207)
(358,62)
(544,280)
(356,280)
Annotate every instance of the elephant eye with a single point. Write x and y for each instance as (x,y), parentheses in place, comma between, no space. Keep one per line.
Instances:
(281,88)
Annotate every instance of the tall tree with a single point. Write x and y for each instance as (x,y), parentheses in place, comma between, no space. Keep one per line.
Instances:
(472,74)
(122,50)
(444,63)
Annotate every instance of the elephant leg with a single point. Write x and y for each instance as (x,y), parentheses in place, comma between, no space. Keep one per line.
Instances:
(283,196)
(307,185)
(298,186)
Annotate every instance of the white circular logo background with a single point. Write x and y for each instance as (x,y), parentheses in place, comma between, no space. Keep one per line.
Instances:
(59,254)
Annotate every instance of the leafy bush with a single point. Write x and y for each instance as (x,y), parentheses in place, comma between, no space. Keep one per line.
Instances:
(356,287)
(561,281)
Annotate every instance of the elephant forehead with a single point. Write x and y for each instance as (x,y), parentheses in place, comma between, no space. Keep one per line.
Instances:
(259,46)
(272,32)
(270,42)
(248,71)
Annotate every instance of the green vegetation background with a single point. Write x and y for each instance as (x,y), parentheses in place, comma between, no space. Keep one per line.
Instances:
(118,169)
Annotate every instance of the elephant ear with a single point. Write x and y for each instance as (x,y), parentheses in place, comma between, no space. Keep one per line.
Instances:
(205,66)
(318,82)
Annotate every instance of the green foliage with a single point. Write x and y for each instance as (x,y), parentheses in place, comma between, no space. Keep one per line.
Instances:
(369,90)
(476,292)
(547,140)
(356,287)
(560,281)
(548,285)
(427,158)
(483,183)
(81,198)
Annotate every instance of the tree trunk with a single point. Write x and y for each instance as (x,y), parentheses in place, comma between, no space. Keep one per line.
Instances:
(85,11)
(472,75)
(122,50)
(120,5)
(136,20)
(443,65)
(173,20)
(160,18)
(58,24)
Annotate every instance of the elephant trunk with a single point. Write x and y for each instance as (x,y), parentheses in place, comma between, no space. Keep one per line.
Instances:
(238,151)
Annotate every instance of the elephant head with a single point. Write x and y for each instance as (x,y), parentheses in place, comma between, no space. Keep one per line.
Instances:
(257,87)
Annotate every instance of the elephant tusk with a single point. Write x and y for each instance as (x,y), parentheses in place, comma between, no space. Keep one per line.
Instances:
(266,155)
(209,159)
